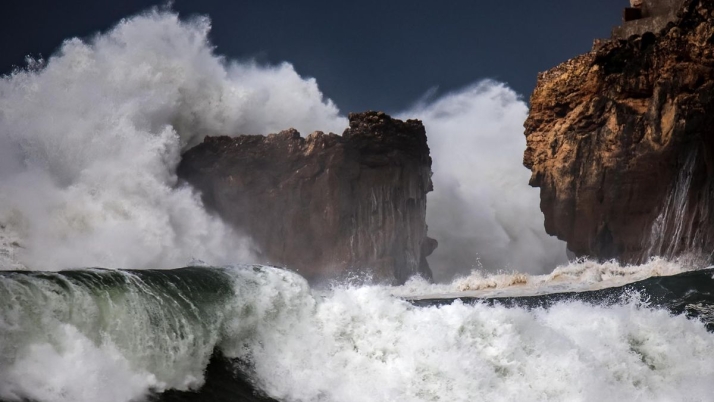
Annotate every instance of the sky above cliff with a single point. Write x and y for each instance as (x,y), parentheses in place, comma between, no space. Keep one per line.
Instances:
(382,55)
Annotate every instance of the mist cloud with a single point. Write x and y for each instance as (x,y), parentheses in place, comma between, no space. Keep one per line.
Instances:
(482,211)
(90,141)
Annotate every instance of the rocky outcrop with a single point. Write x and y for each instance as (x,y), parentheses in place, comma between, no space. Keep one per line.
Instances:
(651,16)
(326,206)
(621,143)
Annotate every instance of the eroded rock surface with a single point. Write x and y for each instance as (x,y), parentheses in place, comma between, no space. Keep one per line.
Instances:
(621,141)
(326,206)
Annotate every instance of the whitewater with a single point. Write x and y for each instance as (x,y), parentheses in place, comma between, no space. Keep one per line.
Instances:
(89,142)
(107,335)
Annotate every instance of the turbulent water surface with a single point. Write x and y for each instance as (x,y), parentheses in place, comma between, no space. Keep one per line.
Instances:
(90,335)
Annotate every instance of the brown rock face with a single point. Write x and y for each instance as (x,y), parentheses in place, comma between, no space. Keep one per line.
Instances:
(326,205)
(621,143)
(647,16)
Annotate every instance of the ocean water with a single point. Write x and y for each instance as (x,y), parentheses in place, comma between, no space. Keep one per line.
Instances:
(92,334)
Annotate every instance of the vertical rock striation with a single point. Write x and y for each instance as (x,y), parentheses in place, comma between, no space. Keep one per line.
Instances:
(326,206)
(621,143)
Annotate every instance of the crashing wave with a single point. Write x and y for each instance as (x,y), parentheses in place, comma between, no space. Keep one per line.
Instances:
(121,335)
(578,276)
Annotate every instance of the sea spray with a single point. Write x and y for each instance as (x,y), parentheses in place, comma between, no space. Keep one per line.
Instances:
(90,139)
(330,348)
(482,211)
(479,352)
(116,336)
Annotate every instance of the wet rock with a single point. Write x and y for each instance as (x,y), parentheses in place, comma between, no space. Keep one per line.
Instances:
(620,143)
(326,206)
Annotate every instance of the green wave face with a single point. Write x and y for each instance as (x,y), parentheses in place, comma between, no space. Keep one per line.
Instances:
(162,325)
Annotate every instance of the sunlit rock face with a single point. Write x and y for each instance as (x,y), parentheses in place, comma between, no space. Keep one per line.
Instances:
(621,142)
(327,206)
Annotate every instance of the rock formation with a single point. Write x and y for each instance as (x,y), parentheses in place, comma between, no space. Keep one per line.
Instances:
(621,143)
(647,16)
(325,206)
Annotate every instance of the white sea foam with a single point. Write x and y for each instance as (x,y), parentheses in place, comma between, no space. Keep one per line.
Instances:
(74,369)
(350,344)
(89,142)
(362,344)
(109,337)
(577,276)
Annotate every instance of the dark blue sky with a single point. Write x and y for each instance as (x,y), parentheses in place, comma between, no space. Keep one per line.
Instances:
(365,55)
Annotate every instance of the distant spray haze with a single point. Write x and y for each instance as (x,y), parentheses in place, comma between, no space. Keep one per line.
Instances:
(90,139)
(89,143)
(482,211)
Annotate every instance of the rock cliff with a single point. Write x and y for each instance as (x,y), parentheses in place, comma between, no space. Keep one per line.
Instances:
(326,206)
(621,143)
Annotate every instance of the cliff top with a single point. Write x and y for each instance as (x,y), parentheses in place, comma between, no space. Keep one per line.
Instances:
(369,132)
(647,16)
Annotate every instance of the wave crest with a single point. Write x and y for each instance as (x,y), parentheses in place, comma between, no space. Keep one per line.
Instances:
(90,139)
